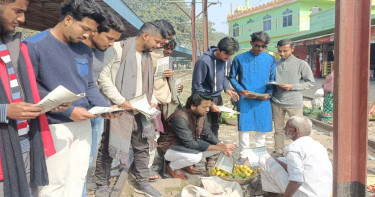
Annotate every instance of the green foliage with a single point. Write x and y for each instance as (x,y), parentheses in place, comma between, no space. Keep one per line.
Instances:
(160,9)
(228,115)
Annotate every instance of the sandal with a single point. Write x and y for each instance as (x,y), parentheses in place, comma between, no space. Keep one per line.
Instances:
(153,176)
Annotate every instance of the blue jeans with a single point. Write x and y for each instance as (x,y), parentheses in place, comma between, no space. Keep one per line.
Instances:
(97,125)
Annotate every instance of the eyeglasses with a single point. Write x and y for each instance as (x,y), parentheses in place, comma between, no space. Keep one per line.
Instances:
(258,46)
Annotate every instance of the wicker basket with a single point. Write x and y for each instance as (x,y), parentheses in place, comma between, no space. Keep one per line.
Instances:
(242,181)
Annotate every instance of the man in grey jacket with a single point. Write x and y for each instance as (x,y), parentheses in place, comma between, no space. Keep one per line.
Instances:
(293,75)
(127,74)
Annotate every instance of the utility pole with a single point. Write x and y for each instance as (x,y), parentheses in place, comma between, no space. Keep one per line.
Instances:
(194,43)
(192,17)
(205,25)
(351,83)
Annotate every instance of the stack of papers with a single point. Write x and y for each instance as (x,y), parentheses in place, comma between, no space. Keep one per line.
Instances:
(104,110)
(227,109)
(257,94)
(141,104)
(57,97)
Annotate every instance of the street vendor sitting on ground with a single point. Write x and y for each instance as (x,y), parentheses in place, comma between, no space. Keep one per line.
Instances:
(305,171)
(188,137)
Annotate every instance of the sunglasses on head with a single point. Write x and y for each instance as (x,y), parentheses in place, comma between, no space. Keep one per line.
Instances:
(258,46)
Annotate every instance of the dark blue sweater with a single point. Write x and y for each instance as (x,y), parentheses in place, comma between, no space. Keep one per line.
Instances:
(206,78)
(56,63)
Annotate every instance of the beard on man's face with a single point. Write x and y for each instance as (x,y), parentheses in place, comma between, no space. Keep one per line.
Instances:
(4,29)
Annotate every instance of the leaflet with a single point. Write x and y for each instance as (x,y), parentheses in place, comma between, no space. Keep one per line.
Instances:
(103,110)
(257,94)
(57,97)
(227,109)
(275,83)
(141,104)
(162,64)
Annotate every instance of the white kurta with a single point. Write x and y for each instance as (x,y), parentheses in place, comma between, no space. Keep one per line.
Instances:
(307,162)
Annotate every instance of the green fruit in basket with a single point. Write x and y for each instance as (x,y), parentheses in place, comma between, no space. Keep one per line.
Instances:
(243,175)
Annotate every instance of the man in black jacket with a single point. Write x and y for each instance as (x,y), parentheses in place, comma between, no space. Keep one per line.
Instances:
(188,137)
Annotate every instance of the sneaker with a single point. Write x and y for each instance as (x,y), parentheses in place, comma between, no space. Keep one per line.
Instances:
(102,191)
(148,190)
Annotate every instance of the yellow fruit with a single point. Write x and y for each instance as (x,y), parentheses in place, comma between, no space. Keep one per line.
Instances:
(218,173)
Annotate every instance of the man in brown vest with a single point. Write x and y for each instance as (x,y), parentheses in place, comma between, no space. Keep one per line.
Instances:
(188,137)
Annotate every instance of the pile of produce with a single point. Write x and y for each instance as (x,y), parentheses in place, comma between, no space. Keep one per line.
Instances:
(228,115)
(239,171)
(311,111)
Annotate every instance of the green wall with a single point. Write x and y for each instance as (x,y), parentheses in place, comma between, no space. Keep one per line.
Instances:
(301,11)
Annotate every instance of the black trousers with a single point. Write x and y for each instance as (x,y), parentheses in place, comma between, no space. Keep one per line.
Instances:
(103,160)
(141,157)
(215,118)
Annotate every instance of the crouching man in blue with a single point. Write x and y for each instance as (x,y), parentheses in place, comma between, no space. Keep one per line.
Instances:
(188,137)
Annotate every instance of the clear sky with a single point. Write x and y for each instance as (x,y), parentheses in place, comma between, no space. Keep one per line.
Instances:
(218,13)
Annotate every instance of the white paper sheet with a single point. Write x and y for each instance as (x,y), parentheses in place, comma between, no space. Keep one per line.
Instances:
(257,94)
(162,64)
(227,109)
(57,97)
(103,110)
(275,83)
(141,104)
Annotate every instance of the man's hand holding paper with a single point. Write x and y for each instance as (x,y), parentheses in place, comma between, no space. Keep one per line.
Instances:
(23,111)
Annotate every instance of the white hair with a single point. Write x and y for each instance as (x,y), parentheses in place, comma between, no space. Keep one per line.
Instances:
(302,123)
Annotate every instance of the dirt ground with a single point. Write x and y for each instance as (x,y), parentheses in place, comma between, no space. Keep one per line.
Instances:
(229,133)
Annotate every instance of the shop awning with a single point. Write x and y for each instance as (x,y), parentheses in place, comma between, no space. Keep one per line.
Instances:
(315,40)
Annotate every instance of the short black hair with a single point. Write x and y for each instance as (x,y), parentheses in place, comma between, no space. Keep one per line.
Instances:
(171,43)
(284,42)
(260,36)
(79,9)
(228,45)
(166,26)
(112,22)
(197,98)
(152,28)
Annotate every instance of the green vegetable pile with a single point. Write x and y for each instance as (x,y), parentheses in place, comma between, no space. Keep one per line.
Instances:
(227,115)
(311,111)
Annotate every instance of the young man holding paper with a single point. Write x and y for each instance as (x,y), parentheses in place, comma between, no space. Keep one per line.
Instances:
(251,71)
(60,58)
(210,76)
(127,74)
(294,75)
(25,137)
